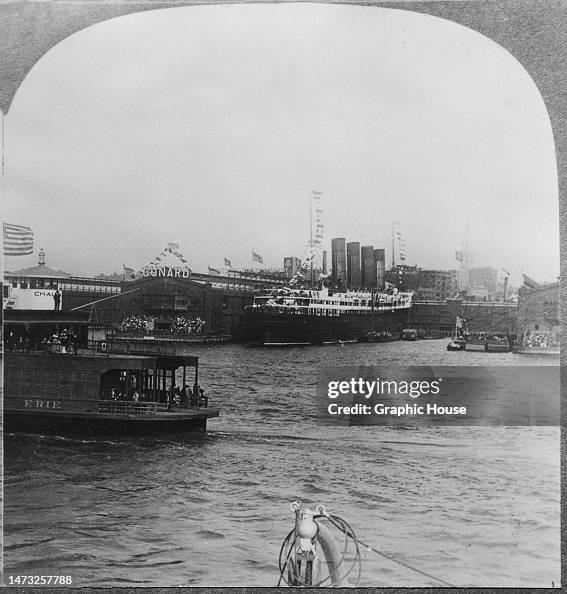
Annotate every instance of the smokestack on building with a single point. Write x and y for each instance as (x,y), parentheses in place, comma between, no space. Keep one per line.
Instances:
(338,258)
(380,264)
(353,265)
(367,267)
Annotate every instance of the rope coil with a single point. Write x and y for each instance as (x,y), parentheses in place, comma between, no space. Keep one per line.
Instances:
(297,558)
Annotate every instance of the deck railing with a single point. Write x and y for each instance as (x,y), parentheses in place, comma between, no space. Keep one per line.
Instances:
(71,405)
(129,407)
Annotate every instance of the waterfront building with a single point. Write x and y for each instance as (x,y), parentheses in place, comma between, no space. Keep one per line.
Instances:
(403,277)
(428,285)
(437,285)
(32,288)
(166,291)
(538,310)
(483,278)
(438,318)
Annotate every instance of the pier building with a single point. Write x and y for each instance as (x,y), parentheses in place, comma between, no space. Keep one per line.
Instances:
(538,311)
(166,291)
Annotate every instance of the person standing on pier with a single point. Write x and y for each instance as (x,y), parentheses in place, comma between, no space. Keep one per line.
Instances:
(57,299)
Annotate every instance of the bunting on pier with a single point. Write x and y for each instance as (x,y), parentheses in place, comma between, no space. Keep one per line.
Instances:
(317,230)
(528,282)
(399,242)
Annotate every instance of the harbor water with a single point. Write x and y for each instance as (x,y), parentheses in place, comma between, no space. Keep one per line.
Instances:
(472,506)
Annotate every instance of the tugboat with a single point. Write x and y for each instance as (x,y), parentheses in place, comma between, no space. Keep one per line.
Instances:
(457,344)
(55,385)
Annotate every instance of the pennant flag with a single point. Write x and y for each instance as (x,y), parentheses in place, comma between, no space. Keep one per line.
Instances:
(459,256)
(257,258)
(399,243)
(18,240)
(529,282)
(213,270)
(227,263)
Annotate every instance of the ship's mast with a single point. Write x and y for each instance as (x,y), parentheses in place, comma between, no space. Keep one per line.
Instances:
(372,310)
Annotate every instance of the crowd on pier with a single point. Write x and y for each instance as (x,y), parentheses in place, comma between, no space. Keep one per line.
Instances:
(540,339)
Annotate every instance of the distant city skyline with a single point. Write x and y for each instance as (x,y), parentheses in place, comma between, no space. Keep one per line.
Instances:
(209,126)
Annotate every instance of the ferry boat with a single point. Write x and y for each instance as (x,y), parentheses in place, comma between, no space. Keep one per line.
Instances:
(288,317)
(53,384)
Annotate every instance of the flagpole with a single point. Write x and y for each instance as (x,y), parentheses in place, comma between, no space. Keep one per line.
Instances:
(2,186)
(3,149)
(393,248)
(311,233)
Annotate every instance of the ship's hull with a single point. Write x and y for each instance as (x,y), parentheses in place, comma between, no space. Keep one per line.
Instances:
(283,329)
(83,424)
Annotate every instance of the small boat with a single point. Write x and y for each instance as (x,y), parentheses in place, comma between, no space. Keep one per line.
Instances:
(456,345)
(475,346)
(409,334)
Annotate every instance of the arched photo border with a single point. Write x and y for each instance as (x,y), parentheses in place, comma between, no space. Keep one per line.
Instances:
(533,31)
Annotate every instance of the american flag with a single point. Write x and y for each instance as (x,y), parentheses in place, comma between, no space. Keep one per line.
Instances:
(257,258)
(18,240)
(227,263)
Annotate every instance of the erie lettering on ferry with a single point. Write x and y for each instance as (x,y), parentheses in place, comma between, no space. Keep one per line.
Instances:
(54,404)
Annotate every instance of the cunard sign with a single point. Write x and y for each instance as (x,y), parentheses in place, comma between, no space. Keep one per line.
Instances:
(166,271)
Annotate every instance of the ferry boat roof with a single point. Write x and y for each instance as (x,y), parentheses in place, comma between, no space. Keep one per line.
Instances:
(124,361)
(45,316)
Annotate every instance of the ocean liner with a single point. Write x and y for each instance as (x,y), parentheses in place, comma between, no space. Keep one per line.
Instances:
(289,316)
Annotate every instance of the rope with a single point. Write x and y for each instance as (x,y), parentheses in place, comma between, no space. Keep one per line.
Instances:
(299,582)
(407,565)
(348,531)
(282,569)
(390,558)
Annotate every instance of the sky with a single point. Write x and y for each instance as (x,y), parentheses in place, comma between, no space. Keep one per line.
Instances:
(208,126)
